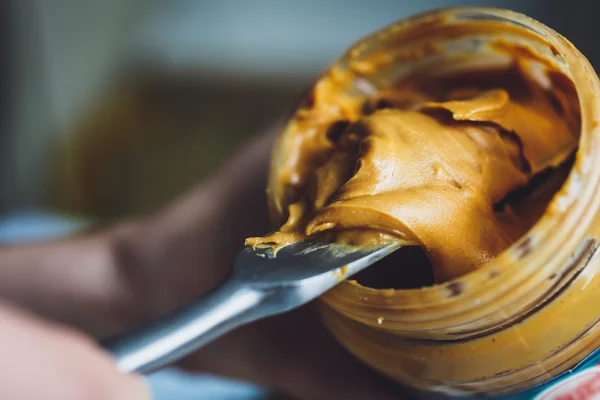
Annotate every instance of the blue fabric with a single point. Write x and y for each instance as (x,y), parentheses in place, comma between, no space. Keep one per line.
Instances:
(34,226)
(172,384)
(169,384)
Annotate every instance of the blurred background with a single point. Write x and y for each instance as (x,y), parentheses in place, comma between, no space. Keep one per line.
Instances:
(111,108)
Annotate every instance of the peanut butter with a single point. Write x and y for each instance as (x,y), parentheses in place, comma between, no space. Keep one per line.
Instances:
(455,133)
(425,163)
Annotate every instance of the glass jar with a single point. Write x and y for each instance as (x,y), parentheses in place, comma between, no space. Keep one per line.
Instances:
(531,314)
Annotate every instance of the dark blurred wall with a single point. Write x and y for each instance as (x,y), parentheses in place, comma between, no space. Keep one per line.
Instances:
(6,78)
(577,20)
(84,139)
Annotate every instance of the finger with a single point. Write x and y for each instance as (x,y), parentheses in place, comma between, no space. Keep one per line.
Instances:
(190,246)
(39,360)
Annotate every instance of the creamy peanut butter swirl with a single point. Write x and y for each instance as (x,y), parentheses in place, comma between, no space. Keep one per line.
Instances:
(424,163)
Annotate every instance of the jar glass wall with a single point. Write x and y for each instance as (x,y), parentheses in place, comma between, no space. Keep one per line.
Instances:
(531,313)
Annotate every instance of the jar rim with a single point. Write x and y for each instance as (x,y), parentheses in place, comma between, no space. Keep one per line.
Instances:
(574,196)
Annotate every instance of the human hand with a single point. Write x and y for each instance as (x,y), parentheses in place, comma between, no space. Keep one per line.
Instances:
(43,360)
(190,247)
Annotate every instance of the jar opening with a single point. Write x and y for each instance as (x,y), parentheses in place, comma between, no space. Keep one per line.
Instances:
(502,327)
(520,269)
(538,54)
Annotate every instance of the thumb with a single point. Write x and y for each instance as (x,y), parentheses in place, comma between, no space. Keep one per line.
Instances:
(63,363)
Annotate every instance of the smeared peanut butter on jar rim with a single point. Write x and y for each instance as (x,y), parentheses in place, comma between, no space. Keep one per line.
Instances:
(453,133)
